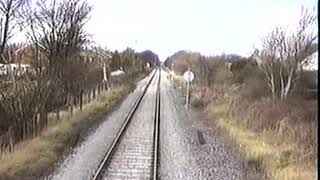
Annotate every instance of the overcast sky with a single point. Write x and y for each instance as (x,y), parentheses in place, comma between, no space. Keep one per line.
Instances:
(206,26)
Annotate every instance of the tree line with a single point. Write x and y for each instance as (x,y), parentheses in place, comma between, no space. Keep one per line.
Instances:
(279,62)
(67,69)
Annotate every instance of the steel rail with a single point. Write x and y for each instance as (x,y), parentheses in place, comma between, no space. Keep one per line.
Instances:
(156,131)
(129,116)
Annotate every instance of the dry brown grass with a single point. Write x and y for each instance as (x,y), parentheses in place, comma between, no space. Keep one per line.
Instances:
(278,136)
(290,121)
(278,161)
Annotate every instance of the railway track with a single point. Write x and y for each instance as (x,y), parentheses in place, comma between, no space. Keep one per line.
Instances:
(134,151)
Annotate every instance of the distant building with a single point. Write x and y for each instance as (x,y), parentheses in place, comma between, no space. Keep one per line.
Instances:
(117,73)
(30,54)
(312,65)
(2,69)
(90,56)
(32,57)
(14,68)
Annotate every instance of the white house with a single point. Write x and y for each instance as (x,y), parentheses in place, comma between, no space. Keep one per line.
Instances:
(14,68)
(2,69)
(117,73)
(313,62)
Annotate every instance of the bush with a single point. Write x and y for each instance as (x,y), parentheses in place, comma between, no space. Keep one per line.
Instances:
(222,75)
(200,97)
(307,85)
(290,120)
(255,87)
(241,70)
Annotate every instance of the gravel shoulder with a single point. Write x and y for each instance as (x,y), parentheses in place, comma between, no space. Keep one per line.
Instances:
(84,159)
(190,149)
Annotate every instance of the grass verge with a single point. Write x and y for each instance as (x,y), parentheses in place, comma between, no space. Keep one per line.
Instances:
(277,162)
(35,158)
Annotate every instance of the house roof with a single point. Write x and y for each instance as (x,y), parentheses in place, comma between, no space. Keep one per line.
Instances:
(90,53)
(27,46)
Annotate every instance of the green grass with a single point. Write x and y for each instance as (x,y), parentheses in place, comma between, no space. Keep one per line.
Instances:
(35,157)
(278,162)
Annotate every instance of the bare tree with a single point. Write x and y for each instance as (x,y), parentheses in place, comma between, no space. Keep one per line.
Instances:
(9,10)
(284,54)
(22,101)
(58,27)
(56,31)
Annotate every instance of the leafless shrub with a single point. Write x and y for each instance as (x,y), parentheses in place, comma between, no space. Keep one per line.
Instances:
(289,120)
(284,54)
(22,101)
(57,36)
(255,86)
(9,17)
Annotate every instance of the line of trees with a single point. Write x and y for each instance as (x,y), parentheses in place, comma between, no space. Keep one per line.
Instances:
(64,70)
(67,70)
(129,60)
(280,61)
